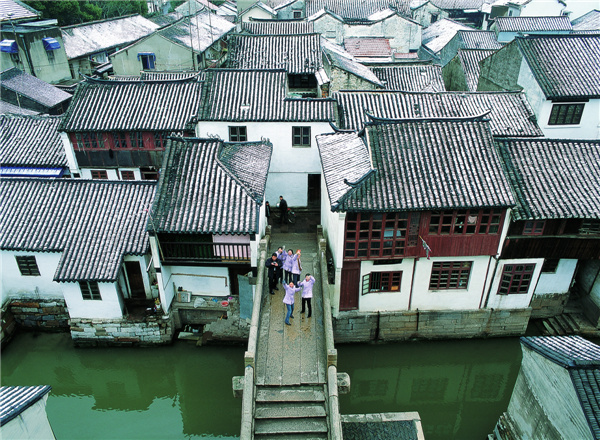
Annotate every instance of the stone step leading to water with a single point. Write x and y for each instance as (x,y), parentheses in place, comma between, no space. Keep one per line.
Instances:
(303,436)
(290,426)
(290,394)
(291,410)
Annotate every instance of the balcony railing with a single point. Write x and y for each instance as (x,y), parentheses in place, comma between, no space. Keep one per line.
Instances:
(205,252)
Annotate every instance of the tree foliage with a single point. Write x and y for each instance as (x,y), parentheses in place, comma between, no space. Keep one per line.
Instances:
(69,12)
(111,9)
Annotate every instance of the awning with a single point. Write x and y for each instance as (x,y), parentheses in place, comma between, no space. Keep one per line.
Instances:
(9,46)
(51,43)
(30,172)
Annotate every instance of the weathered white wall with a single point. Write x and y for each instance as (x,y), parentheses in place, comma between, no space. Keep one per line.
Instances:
(200,280)
(449,299)
(32,423)
(257,13)
(387,301)
(542,8)
(169,56)
(110,307)
(70,153)
(558,282)
(513,301)
(14,285)
(290,166)
(422,15)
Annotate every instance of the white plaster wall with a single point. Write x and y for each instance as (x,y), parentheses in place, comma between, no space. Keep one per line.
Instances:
(588,128)
(290,166)
(169,56)
(256,12)
(450,299)
(513,301)
(200,280)
(326,24)
(15,285)
(387,301)
(542,8)
(86,173)
(70,153)
(110,307)
(558,282)
(32,423)
(422,14)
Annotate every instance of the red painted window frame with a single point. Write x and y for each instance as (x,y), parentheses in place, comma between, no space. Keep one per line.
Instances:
(444,271)
(385,279)
(457,222)
(127,175)
(365,236)
(512,275)
(535,227)
(99,175)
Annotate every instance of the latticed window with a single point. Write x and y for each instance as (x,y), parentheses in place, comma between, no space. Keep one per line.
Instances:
(90,290)
(377,235)
(89,140)
(590,227)
(120,140)
(137,139)
(237,134)
(381,282)
(566,114)
(127,175)
(516,278)
(159,139)
(301,136)
(534,227)
(450,275)
(27,265)
(465,222)
(99,174)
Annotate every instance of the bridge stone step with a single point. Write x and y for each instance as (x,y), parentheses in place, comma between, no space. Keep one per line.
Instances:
(290,394)
(290,426)
(304,436)
(291,410)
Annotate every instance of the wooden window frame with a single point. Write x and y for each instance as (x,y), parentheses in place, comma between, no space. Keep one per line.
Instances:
(466,222)
(566,113)
(90,140)
(160,138)
(589,227)
(519,275)
(376,235)
(450,275)
(533,227)
(27,265)
(120,140)
(90,291)
(127,175)
(382,282)
(99,174)
(301,137)
(236,135)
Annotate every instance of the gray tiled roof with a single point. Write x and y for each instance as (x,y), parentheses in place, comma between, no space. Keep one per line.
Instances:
(469,60)
(98,36)
(475,39)
(582,358)
(510,113)
(411,78)
(297,54)
(31,141)
(94,223)
(16,10)
(564,65)
(356,163)
(338,57)
(211,187)
(132,105)
(430,165)
(459,4)
(436,36)
(278,27)
(33,88)
(553,178)
(258,95)
(587,22)
(356,9)
(197,32)
(14,400)
(533,24)
(8,108)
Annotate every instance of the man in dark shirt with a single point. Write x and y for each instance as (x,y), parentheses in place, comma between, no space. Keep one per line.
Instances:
(283,210)
(272,264)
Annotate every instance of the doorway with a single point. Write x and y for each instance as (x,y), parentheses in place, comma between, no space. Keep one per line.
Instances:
(136,281)
(314,191)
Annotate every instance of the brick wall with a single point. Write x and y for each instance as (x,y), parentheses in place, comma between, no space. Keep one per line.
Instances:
(446,324)
(39,314)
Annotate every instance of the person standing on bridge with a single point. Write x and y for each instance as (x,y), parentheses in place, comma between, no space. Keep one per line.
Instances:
(288,300)
(290,261)
(281,255)
(307,292)
(272,264)
(283,210)
(296,269)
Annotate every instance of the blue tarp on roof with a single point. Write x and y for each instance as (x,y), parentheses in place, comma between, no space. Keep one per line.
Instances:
(9,46)
(51,43)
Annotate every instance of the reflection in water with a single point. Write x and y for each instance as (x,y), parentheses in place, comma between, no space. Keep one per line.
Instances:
(172,392)
(460,388)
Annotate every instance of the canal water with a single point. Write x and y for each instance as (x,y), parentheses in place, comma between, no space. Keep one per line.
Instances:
(184,392)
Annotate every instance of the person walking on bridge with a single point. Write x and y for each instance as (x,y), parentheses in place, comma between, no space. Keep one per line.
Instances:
(307,293)
(288,300)
(272,264)
(283,210)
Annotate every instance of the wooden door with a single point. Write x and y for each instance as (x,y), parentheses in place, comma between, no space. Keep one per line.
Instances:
(136,282)
(314,191)
(349,286)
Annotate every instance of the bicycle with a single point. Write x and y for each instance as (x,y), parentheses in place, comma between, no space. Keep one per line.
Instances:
(291,216)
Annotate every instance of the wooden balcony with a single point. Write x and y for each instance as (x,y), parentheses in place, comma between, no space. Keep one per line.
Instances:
(212,253)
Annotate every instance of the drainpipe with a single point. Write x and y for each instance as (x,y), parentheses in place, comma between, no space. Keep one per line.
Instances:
(492,282)
(487,274)
(412,283)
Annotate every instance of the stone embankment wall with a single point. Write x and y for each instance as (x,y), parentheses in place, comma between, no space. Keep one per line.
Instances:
(400,326)
(40,314)
(546,306)
(102,333)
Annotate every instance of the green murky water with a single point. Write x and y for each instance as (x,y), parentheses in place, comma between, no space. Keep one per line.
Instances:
(184,392)
(459,388)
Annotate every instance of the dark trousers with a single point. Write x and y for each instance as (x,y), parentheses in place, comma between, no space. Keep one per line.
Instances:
(295,278)
(272,282)
(284,217)
(288,277)
(304,302)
